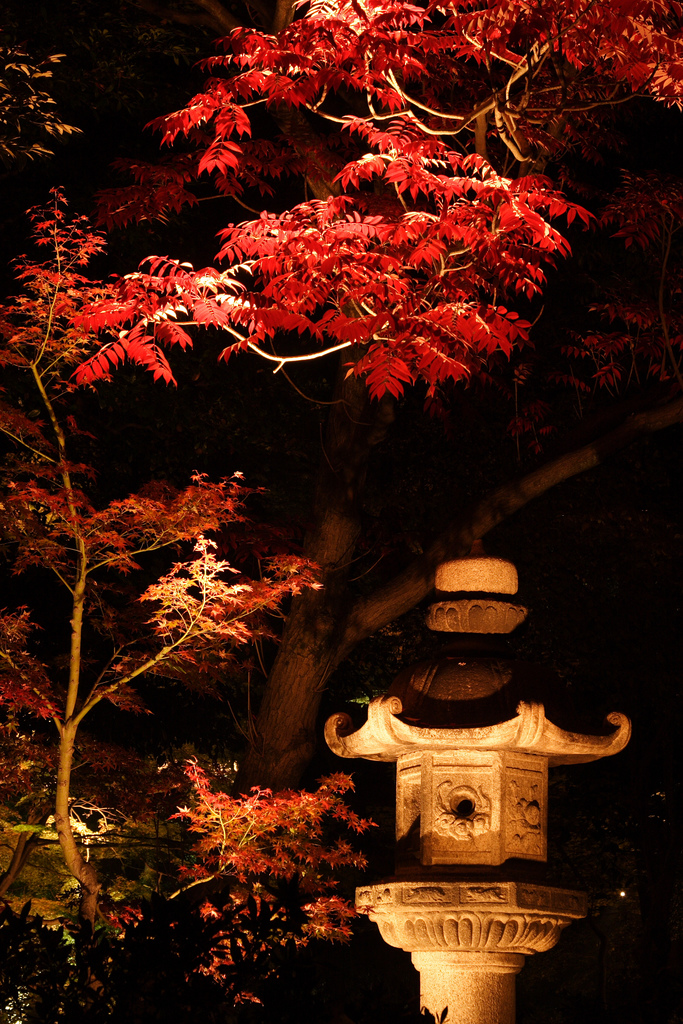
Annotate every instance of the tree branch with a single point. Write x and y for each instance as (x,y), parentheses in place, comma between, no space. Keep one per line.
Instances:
(412,585)
(215,16)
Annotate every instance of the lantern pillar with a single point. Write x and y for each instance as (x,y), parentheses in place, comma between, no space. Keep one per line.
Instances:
(476,987)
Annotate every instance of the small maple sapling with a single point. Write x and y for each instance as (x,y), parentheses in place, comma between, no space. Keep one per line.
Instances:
(186,625)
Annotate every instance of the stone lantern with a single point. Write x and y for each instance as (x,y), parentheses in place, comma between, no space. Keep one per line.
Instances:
(473,734)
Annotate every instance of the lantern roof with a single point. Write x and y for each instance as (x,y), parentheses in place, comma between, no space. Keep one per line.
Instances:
(473,695)
(386,737)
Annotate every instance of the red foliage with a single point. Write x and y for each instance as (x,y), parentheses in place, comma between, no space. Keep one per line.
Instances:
(264,837)
(185,626)
(409,263)
(407,288)
(203,607)
(640,332)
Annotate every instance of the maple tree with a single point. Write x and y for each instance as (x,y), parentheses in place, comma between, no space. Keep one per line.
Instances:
(437,145)
(184,626)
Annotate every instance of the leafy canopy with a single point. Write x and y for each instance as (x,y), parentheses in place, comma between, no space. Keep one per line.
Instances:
(422,131)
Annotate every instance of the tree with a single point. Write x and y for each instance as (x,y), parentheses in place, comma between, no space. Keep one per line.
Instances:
(184,626)
(426,136)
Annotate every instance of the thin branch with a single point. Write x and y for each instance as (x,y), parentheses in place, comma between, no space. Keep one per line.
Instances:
(313,401)
(25,444)
(366,571)
(327,459)
(483,108)
(258,647)
(102,675)
(190,885)
(245,206)
(160,656)
(53,300)
(601,103)
(62,580)
(422,106)
(158,545)
(281,360)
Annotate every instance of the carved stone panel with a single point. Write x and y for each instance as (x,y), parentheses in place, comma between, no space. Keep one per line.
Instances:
(510,917)
(475,616)
(462,812)
(485,892)
(422,893)
(461,805)
(526,808)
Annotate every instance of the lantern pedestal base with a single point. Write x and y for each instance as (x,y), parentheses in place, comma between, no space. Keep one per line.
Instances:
(468,937)
(476,988)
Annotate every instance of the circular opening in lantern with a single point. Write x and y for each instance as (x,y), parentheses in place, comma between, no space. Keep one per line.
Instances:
(464,809)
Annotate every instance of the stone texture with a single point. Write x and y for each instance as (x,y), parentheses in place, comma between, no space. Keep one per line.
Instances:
(468,939)
(471,807)
(386,737)
(468,916)
(475,615)
(478,573)
(475,988)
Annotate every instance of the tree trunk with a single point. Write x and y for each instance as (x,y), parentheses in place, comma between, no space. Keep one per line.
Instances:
(286,721)
(82,870)
(26,844)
